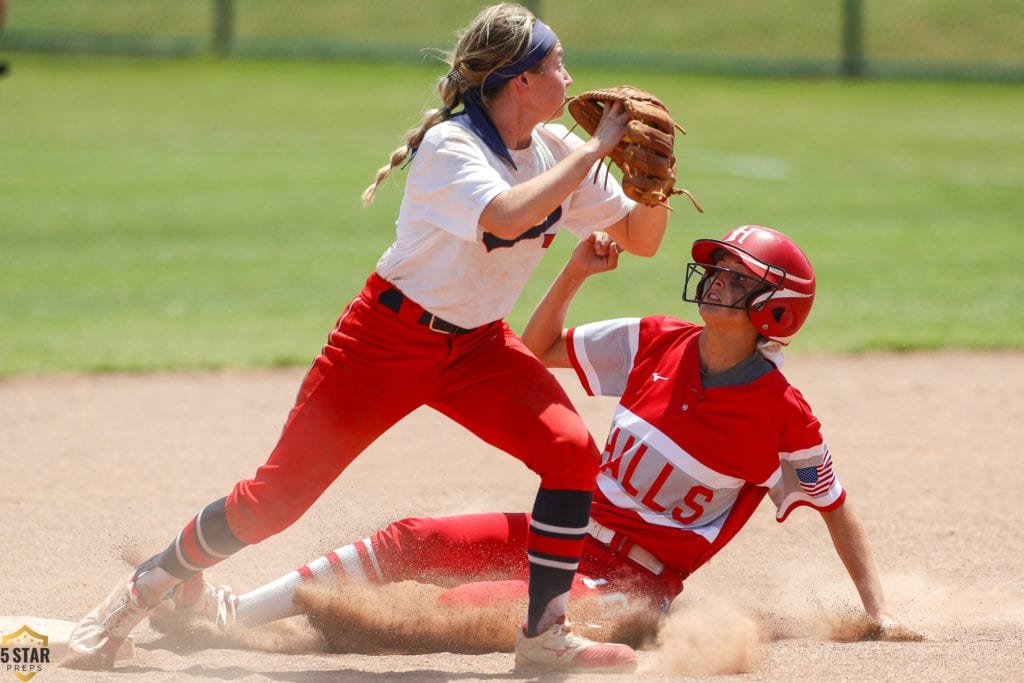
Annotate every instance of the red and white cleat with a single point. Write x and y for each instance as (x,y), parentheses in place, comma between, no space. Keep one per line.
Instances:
(559,649)
(104,630)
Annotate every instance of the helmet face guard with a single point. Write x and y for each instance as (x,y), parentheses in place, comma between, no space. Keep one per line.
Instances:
(781,299)
(703,274)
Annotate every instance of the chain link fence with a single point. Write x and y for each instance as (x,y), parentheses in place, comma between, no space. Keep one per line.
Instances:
(937,39)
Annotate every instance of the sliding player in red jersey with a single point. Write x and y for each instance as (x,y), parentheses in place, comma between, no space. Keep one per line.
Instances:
(707,426)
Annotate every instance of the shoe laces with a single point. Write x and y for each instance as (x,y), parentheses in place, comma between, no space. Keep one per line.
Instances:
(226,605)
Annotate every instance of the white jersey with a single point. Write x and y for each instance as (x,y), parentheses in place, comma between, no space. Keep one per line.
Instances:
(443,259)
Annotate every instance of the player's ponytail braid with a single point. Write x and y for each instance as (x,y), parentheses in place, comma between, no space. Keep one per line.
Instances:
(490,42)
(414,136)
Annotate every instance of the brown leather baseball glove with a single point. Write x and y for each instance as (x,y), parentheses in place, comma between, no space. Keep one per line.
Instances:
(645,155)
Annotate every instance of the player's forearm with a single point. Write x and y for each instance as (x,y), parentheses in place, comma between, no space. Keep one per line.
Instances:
(642,230)
(851,542)
(527,204)
(544,331)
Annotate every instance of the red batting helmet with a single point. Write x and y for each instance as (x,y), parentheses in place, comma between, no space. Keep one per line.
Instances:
(777,308)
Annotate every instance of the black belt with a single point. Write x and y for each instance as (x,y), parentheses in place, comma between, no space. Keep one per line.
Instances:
(394,299)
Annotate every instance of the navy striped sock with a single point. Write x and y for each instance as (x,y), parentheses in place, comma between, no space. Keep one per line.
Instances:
(205,541)
(558,529)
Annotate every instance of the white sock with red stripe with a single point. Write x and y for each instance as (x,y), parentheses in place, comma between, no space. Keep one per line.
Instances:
(352,563)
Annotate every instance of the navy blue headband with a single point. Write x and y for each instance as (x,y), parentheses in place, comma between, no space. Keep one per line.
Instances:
(542,41)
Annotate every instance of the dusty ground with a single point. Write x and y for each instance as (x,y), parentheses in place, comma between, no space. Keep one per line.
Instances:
(928,445)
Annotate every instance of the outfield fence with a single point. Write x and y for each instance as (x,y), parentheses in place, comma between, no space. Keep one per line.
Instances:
(918,39)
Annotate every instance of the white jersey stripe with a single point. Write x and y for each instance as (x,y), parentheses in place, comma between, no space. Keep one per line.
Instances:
(817,452)
(673,452)
(821,501)
(612,490)
(774,479)
(580,349)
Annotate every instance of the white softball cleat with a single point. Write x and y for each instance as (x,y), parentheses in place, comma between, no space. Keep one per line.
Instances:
(200,599)
(104,629)
(559,649)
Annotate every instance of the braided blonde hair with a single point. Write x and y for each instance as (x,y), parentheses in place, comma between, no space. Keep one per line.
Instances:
(489,43)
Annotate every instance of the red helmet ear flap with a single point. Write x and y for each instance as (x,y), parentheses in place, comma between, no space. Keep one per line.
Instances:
(772,318)
(779,319)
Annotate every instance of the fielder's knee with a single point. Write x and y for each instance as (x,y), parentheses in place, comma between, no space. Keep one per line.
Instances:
(569,463)
(256,516)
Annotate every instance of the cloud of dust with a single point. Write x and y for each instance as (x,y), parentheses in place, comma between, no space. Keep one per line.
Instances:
(187,633)
(805,605)
(403,618)
(133,551)
(706,637)
(700,636)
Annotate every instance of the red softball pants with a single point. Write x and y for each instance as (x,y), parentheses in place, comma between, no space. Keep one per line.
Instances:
(378,366)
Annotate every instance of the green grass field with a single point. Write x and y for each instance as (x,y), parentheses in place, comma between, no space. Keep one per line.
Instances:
(202,214)
(968,31)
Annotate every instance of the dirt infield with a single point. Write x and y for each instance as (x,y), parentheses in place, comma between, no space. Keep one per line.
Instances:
(99,468)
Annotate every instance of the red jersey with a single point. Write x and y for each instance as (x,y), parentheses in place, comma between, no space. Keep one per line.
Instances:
(687,461)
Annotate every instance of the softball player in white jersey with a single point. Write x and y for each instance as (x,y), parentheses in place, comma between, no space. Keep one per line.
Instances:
(489,186)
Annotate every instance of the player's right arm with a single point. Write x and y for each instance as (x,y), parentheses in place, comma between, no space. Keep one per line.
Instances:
(851,543)
(545,331)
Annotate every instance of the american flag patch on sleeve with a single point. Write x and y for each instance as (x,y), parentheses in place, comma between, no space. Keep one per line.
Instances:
(817,480)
